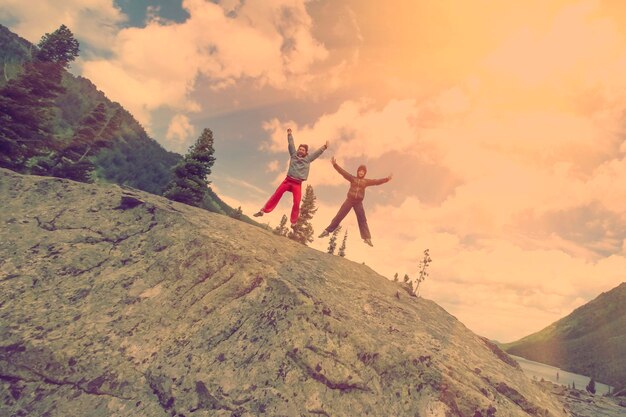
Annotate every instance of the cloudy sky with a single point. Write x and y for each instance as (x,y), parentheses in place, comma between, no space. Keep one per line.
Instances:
(502,122)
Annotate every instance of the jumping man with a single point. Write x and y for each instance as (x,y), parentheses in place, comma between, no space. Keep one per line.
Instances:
(298,172)
(356,193)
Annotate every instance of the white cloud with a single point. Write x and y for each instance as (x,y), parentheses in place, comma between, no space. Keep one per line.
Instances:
(515,166)
(273,166)
(355,129)
(243,184)
(179,130)
(93,22)
(487,277)
(159,65)
(509,160)
(250,202)
(153,14)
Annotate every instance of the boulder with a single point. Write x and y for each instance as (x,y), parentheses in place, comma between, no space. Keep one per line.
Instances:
(119,302)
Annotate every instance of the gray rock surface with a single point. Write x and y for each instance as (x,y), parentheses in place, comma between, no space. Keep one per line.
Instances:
(580,403)
(115,302)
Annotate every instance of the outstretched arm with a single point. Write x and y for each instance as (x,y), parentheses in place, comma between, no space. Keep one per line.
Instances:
(290,146)
(380,180)
(314,155)
(340,170)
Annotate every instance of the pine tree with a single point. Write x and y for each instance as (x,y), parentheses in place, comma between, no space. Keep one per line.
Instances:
(59,47)
(190,183)
(342,248)
(303,230)
(71,162)
(27,112)
(88,135)
(281,229)
(423,272)
(591,386)
(112,129)
(74,170)
(332,243)
(27,108)
(237,214)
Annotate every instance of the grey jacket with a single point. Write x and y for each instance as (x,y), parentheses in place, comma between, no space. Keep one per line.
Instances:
(299,167)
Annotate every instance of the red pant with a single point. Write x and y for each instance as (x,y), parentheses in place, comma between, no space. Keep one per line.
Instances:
(289,184)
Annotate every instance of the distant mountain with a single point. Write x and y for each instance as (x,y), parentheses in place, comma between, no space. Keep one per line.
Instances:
(590,341)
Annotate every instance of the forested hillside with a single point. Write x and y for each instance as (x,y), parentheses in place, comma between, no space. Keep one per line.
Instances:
(54,123)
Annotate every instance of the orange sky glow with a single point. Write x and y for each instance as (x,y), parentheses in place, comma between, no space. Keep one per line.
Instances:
(502,122)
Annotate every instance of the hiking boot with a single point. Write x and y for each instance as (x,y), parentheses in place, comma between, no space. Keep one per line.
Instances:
(369,242)
(293,226)
(323,234)
(258,213)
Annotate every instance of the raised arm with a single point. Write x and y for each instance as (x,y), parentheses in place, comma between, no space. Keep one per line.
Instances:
(290,146)
(340,170)
(314,155)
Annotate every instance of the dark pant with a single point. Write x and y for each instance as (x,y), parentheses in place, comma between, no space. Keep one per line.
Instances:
(357,205)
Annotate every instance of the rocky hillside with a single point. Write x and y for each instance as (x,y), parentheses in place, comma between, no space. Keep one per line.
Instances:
(589,341)
(118,302)
(580,403)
